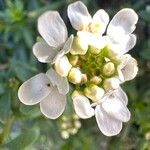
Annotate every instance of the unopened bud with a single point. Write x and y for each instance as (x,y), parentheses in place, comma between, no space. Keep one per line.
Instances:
(76,93)
(94,92)
(94,49)
(83,78)
(111,83)
(73,131)
(79,46)
(109,69)
(96,79)
(62,66)
(74,75)
(64,134)
(77,124)
(73,59)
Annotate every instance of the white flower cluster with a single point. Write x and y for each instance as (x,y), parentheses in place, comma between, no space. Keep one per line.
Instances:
(94,61)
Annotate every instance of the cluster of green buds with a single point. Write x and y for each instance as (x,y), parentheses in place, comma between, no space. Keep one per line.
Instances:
(91,69)
(69,126)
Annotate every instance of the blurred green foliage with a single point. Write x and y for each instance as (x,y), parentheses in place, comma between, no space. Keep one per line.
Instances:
(23,127)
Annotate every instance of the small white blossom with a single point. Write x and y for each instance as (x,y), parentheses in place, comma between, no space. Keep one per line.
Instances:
(109,112)
(47,89)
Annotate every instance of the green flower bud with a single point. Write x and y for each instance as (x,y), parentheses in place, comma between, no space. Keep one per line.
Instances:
(73,59)
(79,46)
(96,79)
(75,75)
(94,92)
(109,69)
(94,49)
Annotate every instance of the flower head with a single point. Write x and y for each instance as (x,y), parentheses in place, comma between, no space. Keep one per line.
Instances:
(95,63)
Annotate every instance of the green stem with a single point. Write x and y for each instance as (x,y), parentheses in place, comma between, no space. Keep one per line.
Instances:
(6,129)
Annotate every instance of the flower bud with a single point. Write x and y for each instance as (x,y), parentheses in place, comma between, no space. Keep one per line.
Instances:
(94,92)
(76,93)
(111,83)
(77,124)
(83,78)
(108,69)
(73,131)
(73,59)
(74,75)
(94,50)
(65,134)
(62,66)
(79,46)
(96,79)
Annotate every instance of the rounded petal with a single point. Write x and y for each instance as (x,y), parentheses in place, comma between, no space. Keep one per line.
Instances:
(35,89)
(108,125)
(82,107)
(52,28)
(101,17)
(121,95)
(65,50)
(44,52)
(53,105)
(61,82)
(123,23)
(115,108)
(78,15)
(128,68)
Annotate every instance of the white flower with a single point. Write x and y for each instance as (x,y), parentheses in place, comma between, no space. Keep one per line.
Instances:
(119,31)
(81,20)
(127,70)
(109,112)
(89,28)
(47,89)
(53,30)
(119,37)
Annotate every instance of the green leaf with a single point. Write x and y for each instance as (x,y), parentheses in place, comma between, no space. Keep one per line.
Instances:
(4,107)
(30,111)
(24,140)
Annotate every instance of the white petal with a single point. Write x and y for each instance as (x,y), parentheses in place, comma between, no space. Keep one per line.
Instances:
(92,39)
(123,23)
(44,52)
(35,89)
(78,15)
(52,28)
(61,82)
(53,105)
(121,95)
(114,107)
(128,67)
(108,125)
(102,18)
(82,107)
(65,49)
